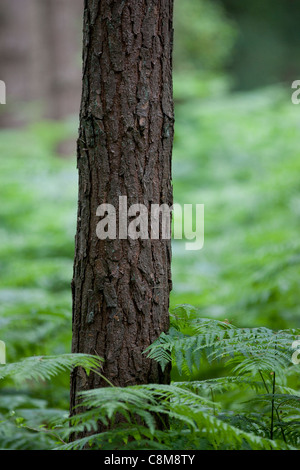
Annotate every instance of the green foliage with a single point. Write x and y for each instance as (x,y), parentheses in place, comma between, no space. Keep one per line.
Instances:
(267,42)
(238,154)
(248,408)
(233,387)
(46,367)
(221,396)
(251,407)
(28,423)
(38,217)
(190,415)
(205,36)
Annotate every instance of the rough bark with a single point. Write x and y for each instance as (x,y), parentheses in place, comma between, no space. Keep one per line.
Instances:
(121,287)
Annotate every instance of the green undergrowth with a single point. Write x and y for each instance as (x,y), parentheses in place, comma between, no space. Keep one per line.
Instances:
(238,155)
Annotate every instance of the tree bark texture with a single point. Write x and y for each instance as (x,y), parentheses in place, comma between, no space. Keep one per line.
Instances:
(121,287)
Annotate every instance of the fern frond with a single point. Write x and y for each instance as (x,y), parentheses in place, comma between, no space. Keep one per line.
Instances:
(45,367)
(189,413)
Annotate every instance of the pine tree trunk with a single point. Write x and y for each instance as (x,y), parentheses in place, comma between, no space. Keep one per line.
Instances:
(121,287)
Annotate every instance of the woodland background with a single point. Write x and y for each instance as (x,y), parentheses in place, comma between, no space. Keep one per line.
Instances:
(236,150)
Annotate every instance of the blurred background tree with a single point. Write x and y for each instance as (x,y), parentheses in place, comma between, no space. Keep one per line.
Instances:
(255,42)
(236,150)
(204,36)
(40,59)
(252,44)
(267,44)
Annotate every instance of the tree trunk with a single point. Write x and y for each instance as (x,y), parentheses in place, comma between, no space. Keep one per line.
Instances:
(121,287)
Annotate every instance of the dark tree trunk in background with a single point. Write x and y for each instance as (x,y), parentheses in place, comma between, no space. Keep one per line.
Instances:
(16,67)
(62,37)
(121,287)
(40,44)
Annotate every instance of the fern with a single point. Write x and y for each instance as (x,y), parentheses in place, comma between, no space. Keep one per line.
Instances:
(254,406)
(190,416)
(250,350)
(253,357)
(46,367)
